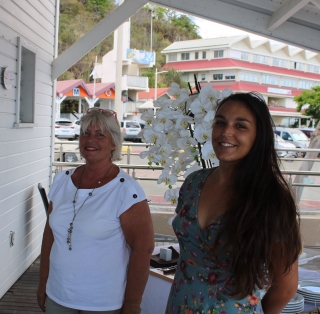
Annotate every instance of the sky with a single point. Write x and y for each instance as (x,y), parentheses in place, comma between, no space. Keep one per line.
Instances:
(208,29)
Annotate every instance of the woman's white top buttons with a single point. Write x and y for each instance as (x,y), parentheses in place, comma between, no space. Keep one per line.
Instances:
(121,180)
(135,195)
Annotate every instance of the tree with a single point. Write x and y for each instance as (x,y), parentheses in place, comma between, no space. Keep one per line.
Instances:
(173,76)
(312,99)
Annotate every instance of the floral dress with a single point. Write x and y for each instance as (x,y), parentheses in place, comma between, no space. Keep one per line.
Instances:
(202,281)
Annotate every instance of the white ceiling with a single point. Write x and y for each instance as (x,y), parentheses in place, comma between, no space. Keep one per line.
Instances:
(294,22)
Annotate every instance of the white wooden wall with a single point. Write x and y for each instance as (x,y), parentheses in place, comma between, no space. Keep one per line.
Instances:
(25,152)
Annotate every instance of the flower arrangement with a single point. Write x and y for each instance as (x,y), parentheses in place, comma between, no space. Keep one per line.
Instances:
(179,134)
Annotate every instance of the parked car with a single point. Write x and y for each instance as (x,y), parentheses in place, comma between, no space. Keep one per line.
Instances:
(76,125)
(131,130)
(307,131)
(279,142)
(295,136)
(64,129)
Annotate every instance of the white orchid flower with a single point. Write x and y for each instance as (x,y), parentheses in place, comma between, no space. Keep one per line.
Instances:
(167,178)
(151,156)
(208,120)
(184,133)
(199,109)
(165,162)
(226,92)
(176,91)
(154,137)
(165,150)
(148,117)
(183,122)
(202,133)
(172,196)
(194,168)
(208,153)
(164,104)
(186,142)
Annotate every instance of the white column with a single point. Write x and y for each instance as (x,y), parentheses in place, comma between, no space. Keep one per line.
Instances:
(118,87)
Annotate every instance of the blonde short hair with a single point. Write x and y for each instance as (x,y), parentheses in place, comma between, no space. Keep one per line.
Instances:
(109,123)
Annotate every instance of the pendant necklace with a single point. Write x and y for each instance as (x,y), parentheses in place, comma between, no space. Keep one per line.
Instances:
(75,212)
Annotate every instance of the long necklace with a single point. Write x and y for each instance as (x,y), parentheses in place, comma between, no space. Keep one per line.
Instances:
(75,212)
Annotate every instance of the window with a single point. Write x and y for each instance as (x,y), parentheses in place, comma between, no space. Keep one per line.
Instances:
(196,55)
(172,57)
(204,54)
(203,76)
(249,78)
(185,56)
(279,62)
(289,83)
(218,54)
(244,56)
(260,59)
(26,87)
(305,84)
(217,77)
(313,68)
(230,77)
(296,65)
(286,136)
(267,79)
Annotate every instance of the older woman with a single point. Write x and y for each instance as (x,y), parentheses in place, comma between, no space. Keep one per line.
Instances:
(98,239)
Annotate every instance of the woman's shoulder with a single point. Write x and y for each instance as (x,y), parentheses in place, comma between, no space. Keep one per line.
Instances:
(199,174)
(63,175)
(127,181)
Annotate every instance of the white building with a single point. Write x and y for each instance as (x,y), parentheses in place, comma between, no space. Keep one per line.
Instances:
(277,71)
(132,61)
(28,45)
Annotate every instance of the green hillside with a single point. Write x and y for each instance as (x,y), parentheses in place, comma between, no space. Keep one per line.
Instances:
(77,17)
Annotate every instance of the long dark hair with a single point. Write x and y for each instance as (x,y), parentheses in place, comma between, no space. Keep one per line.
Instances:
(262,215)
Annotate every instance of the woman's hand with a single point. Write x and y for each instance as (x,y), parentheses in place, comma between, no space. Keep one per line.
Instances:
(41,297)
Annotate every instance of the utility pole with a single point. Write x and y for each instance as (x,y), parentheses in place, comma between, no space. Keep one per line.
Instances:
(156,83)
(151,30)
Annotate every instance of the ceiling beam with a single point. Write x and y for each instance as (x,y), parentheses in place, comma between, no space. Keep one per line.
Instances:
(316,3)
(248,20)
(287,9)
(91,39)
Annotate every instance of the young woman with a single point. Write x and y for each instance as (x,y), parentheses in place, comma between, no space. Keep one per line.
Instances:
(237,224)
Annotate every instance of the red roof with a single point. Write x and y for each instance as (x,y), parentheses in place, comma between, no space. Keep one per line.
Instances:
(64,87)
(100,88)
(150,93)
(233,63)
(253,87)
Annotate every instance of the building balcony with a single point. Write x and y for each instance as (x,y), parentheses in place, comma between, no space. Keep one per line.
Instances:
(135,82)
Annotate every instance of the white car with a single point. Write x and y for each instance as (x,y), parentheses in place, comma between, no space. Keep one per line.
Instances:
(64,129)
(76,125)
(279,142)
(131,130)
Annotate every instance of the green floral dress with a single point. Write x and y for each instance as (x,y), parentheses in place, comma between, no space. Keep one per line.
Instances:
(202,281)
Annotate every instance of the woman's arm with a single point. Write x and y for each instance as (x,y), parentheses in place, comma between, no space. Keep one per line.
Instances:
(138,230)
(47,242)
(283,288)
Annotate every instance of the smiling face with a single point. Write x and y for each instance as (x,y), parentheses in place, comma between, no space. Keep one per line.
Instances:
(96,145)
(234,132)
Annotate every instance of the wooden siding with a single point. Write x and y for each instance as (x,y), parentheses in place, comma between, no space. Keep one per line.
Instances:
(25,153)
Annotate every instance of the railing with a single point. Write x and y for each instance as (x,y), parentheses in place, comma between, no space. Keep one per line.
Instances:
(135,81)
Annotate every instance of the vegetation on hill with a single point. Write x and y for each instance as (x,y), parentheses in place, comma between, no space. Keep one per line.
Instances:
(77,17)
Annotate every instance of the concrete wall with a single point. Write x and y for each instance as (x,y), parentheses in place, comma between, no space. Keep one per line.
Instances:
(25,152)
